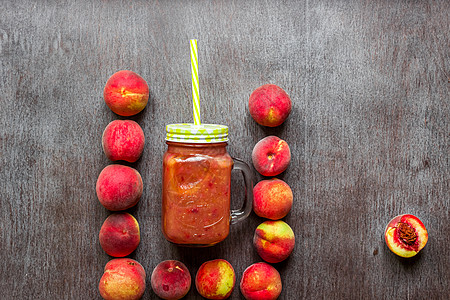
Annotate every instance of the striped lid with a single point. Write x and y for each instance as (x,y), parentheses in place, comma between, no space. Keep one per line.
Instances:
(191,133)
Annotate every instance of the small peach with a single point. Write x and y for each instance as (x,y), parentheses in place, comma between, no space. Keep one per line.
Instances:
(271,156)
(274,241)
(261,281)
(272,199)
(123,279)
(171,280)
(215,279)
(406,235)
(126,93)
(119,187)
(119,235)
(123,140)
(269,105)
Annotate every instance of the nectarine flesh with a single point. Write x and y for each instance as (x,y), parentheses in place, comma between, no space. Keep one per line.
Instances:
(405,235)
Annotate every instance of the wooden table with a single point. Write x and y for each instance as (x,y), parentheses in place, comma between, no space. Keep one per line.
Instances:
(369,135)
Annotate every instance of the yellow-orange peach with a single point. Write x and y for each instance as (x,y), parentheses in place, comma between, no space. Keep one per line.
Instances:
(261,281)
(274,241)
(269,105)
(271,156)
(126,93)
(119,187)
(119,235)
(123,279)
(171,280)
(406,235)
(215,279)
(272,199)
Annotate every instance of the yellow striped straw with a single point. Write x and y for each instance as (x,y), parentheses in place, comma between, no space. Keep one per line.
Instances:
(195,92)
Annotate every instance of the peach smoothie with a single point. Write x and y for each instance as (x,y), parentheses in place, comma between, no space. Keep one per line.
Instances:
(196,193)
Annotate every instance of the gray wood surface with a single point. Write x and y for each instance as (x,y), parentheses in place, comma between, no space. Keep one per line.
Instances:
(369,135)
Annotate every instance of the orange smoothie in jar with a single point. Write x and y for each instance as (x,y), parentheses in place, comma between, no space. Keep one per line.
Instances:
(196,193)
(196,190)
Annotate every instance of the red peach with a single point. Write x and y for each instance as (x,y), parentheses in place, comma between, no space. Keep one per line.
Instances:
(274,241)
(126,93)
(171,280)
(269,105)
(272,199)
(123,279)
(271,156)
(406,235)
(215,279)
(261,281)
(119,187)
(119,235)
(123,140)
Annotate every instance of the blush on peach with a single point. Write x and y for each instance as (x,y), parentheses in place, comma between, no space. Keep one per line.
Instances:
(119,235)
(119,187)
(261,281)
(269,105)
(126,93)
(271,156)
(274,241)
(171,280)
(123,278)
(123,140)
(272,199)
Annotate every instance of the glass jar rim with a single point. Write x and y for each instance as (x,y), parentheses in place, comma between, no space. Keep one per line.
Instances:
(191,133)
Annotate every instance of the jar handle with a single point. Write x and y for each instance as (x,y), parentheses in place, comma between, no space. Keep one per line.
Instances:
(238,215)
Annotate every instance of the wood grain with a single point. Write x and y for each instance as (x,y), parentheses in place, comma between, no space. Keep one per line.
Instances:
(369,135)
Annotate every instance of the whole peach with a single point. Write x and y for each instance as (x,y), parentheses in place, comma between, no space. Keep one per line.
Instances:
(123,140)
(119,235)
(271,156)
(274,241)
(171,280)
(261,281)
(269,105)
(123,279)
(406,235)
(272,199)
(215,279)
(119,187)
(126,93)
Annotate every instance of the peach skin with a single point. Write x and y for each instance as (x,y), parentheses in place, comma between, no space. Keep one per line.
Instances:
(271,156)
(269,105)
(272,199)
(261,281)
(171,280)
(274,241)
(123,279)
(126,93)
(215,279)
(123,140)
(119,187)
(119,235)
